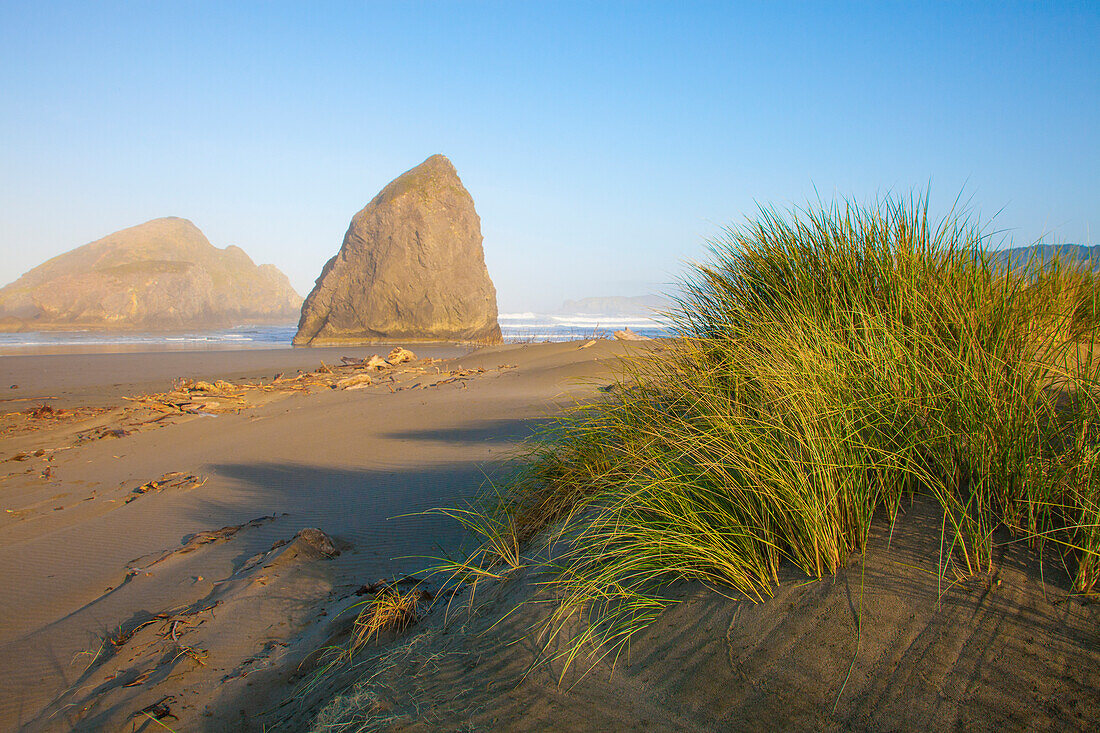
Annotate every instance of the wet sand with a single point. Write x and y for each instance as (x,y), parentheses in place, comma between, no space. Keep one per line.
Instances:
(104,374)
(88,556)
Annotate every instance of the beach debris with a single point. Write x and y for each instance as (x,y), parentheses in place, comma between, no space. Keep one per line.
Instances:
(140,679)
(44,416)
(101,433)
(174,480)
(124,635)
(628,335)
(587,344)
(206,398)
(173,625)
(159,647)
(357,381)
(160,710)
(374,362)
(195,654)
(400,355)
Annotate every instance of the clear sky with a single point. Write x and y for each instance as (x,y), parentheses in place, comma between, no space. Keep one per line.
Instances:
(602,142)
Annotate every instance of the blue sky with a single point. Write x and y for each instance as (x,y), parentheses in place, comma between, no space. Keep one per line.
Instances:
(602,142)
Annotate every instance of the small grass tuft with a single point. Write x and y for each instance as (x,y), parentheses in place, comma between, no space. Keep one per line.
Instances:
(390,611)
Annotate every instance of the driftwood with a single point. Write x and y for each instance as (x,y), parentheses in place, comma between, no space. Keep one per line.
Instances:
(174,480)
(205,398)
(357,381)
(400,355)
(628,335)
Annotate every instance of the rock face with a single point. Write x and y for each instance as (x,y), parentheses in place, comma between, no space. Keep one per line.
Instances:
(160,275)
(411,268)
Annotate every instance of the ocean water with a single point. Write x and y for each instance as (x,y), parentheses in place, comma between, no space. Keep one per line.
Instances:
(515,327)
(243,337)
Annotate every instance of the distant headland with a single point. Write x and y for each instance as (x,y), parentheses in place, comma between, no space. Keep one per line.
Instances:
(162,275)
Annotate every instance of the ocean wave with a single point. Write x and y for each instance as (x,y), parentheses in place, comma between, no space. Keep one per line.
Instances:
(250,336)
(581,320)
(515,328)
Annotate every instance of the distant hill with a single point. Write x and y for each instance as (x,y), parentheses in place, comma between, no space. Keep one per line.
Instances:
(160,275)
(1044,253)
(637,305)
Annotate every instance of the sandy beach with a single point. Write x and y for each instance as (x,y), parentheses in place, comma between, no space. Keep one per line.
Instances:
(423,367)
(154,568)
(238,608)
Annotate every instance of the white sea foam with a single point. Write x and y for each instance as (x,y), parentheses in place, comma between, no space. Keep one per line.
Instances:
(570,326)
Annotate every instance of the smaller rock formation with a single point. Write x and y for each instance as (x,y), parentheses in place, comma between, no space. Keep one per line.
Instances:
(314,543)
(411,268)
(160,275)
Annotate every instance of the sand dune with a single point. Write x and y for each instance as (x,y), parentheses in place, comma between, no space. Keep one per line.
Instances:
(883,646)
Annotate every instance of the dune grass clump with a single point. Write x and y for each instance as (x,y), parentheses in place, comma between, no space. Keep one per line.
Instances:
(831,362)
(389,611)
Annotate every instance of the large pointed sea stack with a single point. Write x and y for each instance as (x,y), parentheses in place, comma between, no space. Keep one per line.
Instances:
(411,268)
(160,275)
